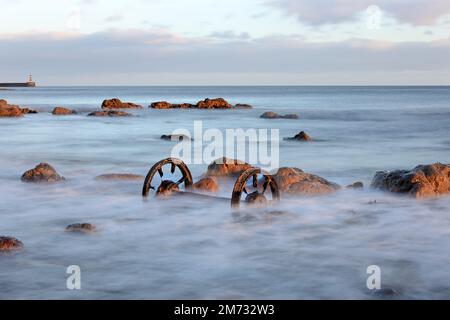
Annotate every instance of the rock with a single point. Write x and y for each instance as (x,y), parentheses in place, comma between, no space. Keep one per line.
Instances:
(166,188)
(243,106)
(10,243)
(7,110)
(423,181)
(274,115)
(226,167)
(117,104)
(109,113)
(291,116)
(218,103)
(27,111)
(81,228)
(270,115)
(208,184)
(120,176)
(301,136)
(43,172)
(256,199)
(295,181)
(175,137)
(60,111)
(356,185)
(161,105)
(385,292)
(3,102)
(182,106)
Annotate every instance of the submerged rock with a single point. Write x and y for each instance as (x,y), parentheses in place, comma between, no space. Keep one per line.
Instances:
(295,181)
(81,228)
(356,185)
(274,115)
(208,184)
(301,136)
(61,111)
(243,106)
(217,103)
(175,137)
(120,176)
(226,167)
(43,172)
(109,113)
(423,181)
(10,243)
(117,104)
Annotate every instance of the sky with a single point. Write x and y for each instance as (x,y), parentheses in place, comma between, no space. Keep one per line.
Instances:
(226,42)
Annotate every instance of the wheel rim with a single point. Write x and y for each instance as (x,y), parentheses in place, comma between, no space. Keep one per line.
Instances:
(157,167)
(252,173)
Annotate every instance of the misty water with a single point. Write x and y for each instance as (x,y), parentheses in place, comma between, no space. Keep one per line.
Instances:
(306,247)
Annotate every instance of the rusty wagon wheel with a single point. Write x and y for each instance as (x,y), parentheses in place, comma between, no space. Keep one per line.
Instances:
(241,187)
(157,167)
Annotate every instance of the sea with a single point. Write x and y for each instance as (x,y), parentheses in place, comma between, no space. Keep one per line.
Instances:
(318,247)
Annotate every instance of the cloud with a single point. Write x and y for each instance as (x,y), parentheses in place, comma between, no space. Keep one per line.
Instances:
(135,53)
(114,18)
(317,12)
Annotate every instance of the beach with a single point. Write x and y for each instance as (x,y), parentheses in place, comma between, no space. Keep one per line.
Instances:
(304,248)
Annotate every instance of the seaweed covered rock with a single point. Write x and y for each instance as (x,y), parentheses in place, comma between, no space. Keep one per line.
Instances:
(295,181)
(61,111)
(117,104)
(424,181)
(9,244)
(109,113)
(223,167)
(43,172)
(208,184)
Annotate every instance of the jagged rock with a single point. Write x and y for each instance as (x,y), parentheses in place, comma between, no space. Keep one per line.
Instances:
(119,176)
(423,181)
(226,167)
(81,228)
(175,137)
(243,106)
(43,172)
(161,105)
(356,185)
(208,184)
(61,111)
(295,181)
(117,104)
(109,113)
(218,103)
(274,115)
(301,136)
(10,243)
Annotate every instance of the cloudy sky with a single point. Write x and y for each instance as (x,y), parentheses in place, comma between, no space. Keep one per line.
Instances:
(172,42)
